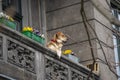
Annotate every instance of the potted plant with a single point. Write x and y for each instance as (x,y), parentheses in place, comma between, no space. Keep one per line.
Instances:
(7,20)
(27,31)
(38,37)
(33,34)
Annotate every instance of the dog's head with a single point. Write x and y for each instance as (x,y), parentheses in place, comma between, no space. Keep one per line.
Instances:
(60,37)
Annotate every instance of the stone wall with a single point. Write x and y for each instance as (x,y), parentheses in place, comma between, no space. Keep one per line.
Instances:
(103,28)
(16,60)
(64,15)
(31,13)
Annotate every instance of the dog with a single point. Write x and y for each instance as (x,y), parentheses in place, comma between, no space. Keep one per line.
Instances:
(56,43)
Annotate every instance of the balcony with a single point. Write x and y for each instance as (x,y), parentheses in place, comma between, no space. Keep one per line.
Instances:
(21,58)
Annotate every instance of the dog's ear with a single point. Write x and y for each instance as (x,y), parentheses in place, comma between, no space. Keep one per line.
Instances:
(56,35)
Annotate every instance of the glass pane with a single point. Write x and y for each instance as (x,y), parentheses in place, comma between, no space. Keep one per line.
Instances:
(17,5)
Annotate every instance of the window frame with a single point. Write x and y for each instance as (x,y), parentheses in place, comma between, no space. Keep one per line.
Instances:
(18,15)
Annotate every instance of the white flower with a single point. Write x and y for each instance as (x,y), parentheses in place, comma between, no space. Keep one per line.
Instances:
(6,16)
(1,14)
(42,35)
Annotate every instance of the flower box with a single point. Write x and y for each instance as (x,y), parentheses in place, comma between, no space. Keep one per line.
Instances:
(34,37)
(27,33)
(38,38)
(8,23)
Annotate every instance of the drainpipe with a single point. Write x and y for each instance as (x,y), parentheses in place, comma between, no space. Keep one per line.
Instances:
(43,19)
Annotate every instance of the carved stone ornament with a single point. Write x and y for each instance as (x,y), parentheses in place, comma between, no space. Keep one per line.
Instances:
(55,71)
(76,76)
(21,56)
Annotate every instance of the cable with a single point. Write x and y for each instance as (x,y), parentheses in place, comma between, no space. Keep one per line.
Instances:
(101,49)
(84,17)
(89,39)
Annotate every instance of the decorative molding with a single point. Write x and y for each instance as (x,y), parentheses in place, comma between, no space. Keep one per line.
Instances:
(55,71)
(21,56)
(77,76)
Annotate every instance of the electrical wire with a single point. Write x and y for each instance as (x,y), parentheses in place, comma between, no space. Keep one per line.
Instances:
(103,53)
(85,18)
(89,39)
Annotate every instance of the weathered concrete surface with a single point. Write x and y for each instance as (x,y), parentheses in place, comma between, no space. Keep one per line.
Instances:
(64,16)
(67,16)
(15,72)
(75,33)
(60,4)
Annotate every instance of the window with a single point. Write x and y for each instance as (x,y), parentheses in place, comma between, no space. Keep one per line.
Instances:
(13,8)
(95,68)
(116,39)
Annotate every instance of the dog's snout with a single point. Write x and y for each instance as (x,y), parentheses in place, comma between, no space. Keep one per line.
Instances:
(65,41)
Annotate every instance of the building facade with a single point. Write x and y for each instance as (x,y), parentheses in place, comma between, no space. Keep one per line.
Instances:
(24,59)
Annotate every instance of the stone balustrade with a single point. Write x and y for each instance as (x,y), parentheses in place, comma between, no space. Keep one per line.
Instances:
(21,58)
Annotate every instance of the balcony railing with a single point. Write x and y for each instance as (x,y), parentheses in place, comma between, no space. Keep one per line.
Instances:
(22,58)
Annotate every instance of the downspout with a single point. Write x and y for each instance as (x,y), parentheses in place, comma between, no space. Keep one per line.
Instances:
(43,19)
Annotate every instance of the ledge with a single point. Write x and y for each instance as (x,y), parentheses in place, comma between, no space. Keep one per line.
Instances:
(29,42)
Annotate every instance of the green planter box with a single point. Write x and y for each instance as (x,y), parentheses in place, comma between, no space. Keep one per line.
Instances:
(27,33)
(38,38)
(8,23)
(34,37)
